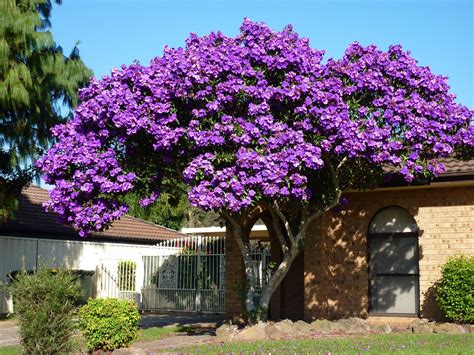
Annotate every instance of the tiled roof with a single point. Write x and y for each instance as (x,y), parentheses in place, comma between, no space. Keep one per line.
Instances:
(32,220)
(458,167)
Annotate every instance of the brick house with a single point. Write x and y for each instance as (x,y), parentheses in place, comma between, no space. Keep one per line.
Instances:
(380,258)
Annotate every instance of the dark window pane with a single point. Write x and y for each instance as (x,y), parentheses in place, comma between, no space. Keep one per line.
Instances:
(393,255)
(394,294)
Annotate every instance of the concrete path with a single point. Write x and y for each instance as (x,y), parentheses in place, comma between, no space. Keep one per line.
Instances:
(197,320)
(9,332)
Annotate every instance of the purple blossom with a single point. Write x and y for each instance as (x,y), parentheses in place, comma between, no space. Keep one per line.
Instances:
(248,118)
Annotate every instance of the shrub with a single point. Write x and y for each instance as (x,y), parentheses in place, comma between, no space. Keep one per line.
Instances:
(109,323)
(455,291)
(44,301)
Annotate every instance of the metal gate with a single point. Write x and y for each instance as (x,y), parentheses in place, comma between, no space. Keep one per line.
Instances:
(185,274)
(117,278)
(188,275)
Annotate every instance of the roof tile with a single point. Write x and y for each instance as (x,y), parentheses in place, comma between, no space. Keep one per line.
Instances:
(31,218)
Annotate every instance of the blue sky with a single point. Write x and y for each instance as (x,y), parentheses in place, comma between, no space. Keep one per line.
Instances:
(115,32)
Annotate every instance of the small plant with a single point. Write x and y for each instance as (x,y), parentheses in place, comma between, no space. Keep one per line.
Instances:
(455,291)
(109,323)
(257,315)
(44,301)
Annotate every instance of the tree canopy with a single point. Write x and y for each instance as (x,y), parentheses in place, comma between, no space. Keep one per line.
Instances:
(37,83)
(248,120)
(249,126)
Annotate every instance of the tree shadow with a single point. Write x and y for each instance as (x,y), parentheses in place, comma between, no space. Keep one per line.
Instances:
(429,307)
(339,279)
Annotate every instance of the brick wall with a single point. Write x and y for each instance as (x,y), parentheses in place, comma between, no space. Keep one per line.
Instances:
(235,274)
(335,263)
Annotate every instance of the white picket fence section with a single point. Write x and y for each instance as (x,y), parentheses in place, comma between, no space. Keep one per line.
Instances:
(185,274)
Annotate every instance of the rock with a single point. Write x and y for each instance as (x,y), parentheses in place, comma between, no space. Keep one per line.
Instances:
(448,328)
(323,326)
(255,332)
(302,328)
(273,331)
(226,332)
(353,326)
(279,330)
(469,328)
(422,326)
(383,328)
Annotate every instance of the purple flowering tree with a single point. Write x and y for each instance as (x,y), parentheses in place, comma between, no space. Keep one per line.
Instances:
(251,125)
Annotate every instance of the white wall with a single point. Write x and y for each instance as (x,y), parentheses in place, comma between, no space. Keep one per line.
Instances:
(81,255)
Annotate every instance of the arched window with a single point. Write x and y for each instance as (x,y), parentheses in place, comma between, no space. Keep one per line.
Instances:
(393,262)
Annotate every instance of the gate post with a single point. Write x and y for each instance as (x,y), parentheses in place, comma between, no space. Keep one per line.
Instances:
(198,274)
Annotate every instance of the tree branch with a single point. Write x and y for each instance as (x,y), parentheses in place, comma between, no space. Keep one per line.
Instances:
(338,192)
(279,232)
(341,163)
(275,209)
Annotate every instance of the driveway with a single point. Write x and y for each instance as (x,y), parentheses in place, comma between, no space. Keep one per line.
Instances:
(9,332)
(198,320)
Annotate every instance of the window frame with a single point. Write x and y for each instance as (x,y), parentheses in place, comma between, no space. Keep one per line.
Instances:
(371,275)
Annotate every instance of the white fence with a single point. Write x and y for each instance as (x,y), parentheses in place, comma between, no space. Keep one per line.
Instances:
(189,275)
(186,274)
(77,255)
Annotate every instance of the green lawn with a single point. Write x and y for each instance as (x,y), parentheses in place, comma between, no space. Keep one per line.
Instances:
(156,333)
(375,344)
(10,350)
(144,335)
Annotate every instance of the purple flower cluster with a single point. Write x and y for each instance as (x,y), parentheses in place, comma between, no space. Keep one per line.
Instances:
(246,119)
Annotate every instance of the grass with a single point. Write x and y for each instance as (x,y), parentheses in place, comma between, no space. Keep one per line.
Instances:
(375,344)
(144,335)
(156,333)
(10,350)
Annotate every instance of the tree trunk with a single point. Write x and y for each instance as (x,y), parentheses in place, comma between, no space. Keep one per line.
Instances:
(275,281)
(291,246)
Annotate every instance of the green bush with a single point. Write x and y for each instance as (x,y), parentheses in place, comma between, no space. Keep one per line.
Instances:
(109,323)
(44,301)
(455,291)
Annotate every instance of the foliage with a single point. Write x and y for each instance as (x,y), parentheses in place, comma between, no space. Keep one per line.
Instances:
(109,323)
(166,211)
(378,344)
(256,123)
(37,82)
(455,291)
(174,212)
(250,120)
(12,182)
(44,302)
(127,275)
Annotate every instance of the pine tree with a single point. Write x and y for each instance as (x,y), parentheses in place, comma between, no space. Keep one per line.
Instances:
(38,83)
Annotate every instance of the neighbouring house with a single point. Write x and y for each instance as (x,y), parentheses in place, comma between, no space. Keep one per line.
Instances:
(378,258)
(258,232)
(113,258)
